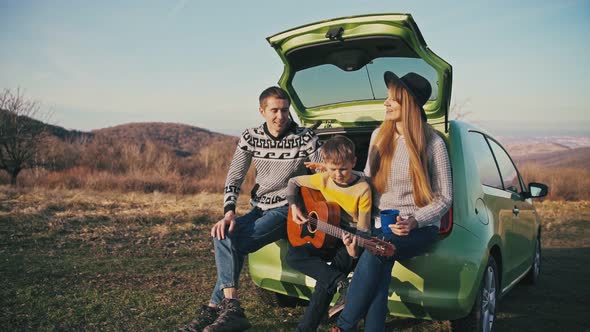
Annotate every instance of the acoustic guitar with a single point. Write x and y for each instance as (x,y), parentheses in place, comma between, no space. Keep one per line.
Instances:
(322,228)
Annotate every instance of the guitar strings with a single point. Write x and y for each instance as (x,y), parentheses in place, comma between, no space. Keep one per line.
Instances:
(363,242)
(334,229)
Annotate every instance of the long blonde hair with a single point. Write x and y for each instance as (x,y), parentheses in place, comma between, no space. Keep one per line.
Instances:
(416,133)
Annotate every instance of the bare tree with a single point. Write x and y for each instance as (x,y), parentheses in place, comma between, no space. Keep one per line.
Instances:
(20,135)
(458,110)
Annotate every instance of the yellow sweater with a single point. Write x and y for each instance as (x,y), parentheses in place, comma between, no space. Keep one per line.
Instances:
(354,199)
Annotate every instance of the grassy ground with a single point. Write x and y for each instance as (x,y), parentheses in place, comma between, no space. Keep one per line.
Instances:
(79,260)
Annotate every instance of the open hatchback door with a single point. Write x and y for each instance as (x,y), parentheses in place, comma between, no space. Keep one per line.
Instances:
(334,69)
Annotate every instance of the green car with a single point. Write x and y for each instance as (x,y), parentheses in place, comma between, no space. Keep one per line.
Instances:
(490,239)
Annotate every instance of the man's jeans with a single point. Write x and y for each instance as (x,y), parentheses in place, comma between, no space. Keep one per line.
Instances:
(313,262)
(369,288)
(252,231)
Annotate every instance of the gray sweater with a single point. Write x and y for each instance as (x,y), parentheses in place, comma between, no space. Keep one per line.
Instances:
(399,192)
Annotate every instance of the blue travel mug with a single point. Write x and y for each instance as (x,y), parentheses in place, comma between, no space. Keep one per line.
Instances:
(388,217)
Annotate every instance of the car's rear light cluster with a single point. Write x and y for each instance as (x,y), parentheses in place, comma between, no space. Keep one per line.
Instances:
(446,222)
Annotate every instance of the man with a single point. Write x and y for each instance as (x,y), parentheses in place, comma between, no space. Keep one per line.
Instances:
(278,149)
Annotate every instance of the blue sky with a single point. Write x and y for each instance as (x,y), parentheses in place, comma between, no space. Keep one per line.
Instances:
(517,65)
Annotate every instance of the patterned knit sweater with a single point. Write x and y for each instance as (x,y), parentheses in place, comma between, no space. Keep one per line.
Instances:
(354,199)
(399,191)
(276,160)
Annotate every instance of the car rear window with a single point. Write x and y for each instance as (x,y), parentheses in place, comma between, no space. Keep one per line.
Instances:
(329,84)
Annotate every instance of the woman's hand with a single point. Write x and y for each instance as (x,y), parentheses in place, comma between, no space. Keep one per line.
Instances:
(218,230)
(403,227)
(350,243)
(297,216)
(318,167)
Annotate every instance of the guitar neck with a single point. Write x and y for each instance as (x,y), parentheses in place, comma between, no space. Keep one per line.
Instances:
(337,231)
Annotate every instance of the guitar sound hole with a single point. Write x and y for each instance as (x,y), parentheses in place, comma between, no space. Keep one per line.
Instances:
(312,228)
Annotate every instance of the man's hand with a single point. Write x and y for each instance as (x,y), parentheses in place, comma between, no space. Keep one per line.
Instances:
(350,243)
(297,216)
(403,227)
(318,167)
(218,230)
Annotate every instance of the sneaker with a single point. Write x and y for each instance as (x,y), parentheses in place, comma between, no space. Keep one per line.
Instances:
(339,305)
(231,318)
(207,316)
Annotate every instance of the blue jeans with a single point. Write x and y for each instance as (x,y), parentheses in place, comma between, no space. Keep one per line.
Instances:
(252,231)
(369,288)
(313,262)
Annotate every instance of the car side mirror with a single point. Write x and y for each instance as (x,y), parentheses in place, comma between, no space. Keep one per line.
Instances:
(536,190)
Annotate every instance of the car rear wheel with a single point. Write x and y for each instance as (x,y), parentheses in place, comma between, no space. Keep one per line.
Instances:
(483,312)
(278,299)
(532,276)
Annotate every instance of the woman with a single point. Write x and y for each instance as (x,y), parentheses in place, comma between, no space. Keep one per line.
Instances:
(409,168)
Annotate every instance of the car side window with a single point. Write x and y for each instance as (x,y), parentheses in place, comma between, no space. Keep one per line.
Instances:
(507,169)
(488,171)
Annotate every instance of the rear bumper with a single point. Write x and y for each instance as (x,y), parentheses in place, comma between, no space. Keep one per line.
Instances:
(441,284)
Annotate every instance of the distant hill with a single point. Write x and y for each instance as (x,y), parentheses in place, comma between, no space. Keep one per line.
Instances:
(518,149)
(184,139)
(56,131)
(551,152)
(68,135)
(573,158)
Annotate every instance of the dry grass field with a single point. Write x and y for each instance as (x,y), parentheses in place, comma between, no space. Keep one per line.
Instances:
(84,260)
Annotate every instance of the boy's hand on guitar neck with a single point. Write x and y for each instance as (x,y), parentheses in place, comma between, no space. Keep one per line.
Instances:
(297,216)
(218,230)
(350,243)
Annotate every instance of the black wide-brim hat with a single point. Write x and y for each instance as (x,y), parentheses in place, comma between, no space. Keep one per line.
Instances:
(417,86)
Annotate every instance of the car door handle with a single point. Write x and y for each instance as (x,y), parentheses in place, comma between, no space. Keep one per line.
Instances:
(515,211)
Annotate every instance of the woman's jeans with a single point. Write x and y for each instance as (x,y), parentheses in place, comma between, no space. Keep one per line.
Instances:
(369,288)
(252,231)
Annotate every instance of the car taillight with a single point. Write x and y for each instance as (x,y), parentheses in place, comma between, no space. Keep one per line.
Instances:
(446,222)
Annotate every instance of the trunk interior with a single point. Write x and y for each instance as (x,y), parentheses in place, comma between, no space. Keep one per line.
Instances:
(361,136)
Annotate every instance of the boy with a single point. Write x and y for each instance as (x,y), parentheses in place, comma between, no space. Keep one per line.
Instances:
(340,185)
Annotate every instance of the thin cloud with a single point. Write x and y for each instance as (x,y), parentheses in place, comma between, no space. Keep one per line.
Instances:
(180,5)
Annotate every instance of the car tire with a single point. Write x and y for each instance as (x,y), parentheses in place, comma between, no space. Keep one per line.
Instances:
(532,276)
(277,299)
(482,315)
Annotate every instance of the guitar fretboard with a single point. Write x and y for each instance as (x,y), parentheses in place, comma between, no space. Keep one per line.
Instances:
(335,231)
(374,245)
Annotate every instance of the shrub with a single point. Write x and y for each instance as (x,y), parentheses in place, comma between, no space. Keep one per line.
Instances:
(568,184)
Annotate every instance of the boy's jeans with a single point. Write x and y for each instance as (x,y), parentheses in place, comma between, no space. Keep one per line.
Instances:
(369,288)
(252,231)
(313,262)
